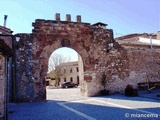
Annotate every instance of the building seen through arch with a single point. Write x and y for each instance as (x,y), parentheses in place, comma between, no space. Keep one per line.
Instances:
(69,72)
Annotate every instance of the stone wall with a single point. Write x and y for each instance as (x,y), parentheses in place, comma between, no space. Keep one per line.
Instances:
(81,73)
(89,41)
(6,35)
(140,65)
(35,49)
(5,76)
(2,87)
(24,68)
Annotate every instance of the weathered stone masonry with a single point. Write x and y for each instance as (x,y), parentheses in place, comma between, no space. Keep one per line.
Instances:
(5,53)
(5,69)
(91,43)
(24,68)
(2,87)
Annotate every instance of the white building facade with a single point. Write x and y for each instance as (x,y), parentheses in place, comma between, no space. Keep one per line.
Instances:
(69,72)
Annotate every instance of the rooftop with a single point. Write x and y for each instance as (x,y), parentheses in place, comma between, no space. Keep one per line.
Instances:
(130,36)
(99,23)
(6,29)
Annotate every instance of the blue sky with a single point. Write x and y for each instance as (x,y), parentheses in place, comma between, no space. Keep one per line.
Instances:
(125,16)
(67,52)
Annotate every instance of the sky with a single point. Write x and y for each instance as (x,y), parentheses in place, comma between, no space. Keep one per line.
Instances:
(67,52)
(123,16)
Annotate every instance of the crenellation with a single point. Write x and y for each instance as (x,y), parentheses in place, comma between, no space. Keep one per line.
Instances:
(68,17)
(78,18)
(57,17)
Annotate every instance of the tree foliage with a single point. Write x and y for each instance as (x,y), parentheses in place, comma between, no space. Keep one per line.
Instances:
(57,59)
(55,68)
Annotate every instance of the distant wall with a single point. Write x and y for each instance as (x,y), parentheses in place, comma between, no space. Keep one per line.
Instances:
(141,65)
(158,35)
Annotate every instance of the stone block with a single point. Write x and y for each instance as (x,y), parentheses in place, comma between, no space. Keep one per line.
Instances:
(57,17)
(78,18)
(88,78)
(68,17)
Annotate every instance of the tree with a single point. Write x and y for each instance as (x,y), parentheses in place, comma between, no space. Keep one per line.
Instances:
(56,59)
(55,68)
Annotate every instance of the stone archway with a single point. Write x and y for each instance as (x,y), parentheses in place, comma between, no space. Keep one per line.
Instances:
(100,53)
(44,58)
(90,41)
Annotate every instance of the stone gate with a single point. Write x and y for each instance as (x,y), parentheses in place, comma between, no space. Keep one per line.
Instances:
(100,53)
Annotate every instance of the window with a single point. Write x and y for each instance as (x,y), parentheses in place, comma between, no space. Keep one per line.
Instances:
(71,79)
(71,70)
(77,79)
(64,79)
(77,69)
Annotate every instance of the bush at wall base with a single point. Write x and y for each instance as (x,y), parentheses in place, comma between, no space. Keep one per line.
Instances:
(131,92)
(104,92)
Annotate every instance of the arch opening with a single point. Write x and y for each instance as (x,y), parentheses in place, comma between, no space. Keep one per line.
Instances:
(64,65)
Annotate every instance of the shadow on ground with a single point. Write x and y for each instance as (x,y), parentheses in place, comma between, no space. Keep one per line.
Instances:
(90,109)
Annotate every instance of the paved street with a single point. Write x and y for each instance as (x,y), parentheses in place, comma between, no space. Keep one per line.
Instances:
(67,104)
